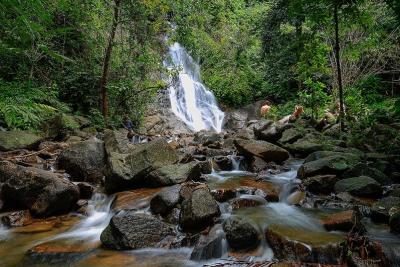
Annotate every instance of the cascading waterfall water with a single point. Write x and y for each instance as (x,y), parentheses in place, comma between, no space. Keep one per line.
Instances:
(90,228)
(190,100)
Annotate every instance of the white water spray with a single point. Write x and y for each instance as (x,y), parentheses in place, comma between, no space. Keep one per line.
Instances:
(191,101)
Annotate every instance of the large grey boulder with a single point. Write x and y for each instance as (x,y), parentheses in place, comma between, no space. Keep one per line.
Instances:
(44,193)
(84,161)
(130,230)
(362,186)
(198,210)
(166,200)
(12,140)
(128,170)
(321,184)
(174,174)
(241,233)
(334,164)
(264,150)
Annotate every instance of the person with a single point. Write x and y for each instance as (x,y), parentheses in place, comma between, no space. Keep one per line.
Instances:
(265,109)
(127,123)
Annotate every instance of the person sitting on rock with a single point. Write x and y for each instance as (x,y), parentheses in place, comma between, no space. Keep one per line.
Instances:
(127,123)
(265,109)
(298,110)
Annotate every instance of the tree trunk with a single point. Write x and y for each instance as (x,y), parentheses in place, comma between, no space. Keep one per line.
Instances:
(106,62)
(338,67)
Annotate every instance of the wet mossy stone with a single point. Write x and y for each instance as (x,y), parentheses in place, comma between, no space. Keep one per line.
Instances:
(262,149)
(394,223)
(362,186)
(380,209)
(298,244)
(13,140)
(241,233)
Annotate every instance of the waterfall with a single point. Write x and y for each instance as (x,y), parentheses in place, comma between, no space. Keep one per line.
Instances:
(190,100)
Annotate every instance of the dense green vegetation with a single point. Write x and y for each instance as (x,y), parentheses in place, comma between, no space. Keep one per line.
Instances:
(59,56)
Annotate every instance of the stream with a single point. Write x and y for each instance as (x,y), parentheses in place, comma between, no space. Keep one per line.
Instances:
(74,239)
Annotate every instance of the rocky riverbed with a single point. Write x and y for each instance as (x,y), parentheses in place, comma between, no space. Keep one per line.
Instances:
(262,192)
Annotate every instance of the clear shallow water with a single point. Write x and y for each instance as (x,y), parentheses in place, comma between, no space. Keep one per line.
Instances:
(190,100)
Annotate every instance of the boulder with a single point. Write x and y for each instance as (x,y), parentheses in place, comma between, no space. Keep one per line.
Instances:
(351,157)
(335,164)
(85,190)
(343,221)
(84,161)
(209,246)
(117,141)
(130,230)
(223,163)
(16,218)
(362,186)
(128,170)
(165,201)
(291,135)
(241,233)
(207,137)
(303,245)
(381,208)
(321,184)
(362,169)
(13,140)
(394,222)
(198,210)
(174,174)
(305,146)
(264,150)
(44,193)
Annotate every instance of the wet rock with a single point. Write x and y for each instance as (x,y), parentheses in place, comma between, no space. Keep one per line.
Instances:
(173,216)
(380,209)
(223,163)
(44,193)
(241,233)
(335,164)
(270,131)
(303,245)
(343,221)
(207,137)
(130,230)
(394,222)
(291,135)
(296,198)
(84,161)
(351,157)
(199,210)
(363,169)
(117,142)
(222,195)
(85,190)
(16,218)
(264,150)
(165,201)
(246,202)
(306,145)
(362,186)
(134,199)
(258,165)
(321,184)
(128,170)
(174,174)
(57,253)
(12,140)
(209,246)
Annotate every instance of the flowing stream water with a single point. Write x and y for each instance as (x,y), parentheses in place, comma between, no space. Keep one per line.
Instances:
(191,101)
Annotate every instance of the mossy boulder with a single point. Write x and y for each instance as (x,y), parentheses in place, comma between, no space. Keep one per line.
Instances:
(12,140)
(128,170)
(362,186)
(291,135)
(303,245)
(335,164)
(241,233)
(174,174)
(264,150)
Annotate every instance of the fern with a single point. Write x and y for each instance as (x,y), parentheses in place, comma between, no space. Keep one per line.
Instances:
(25,106)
